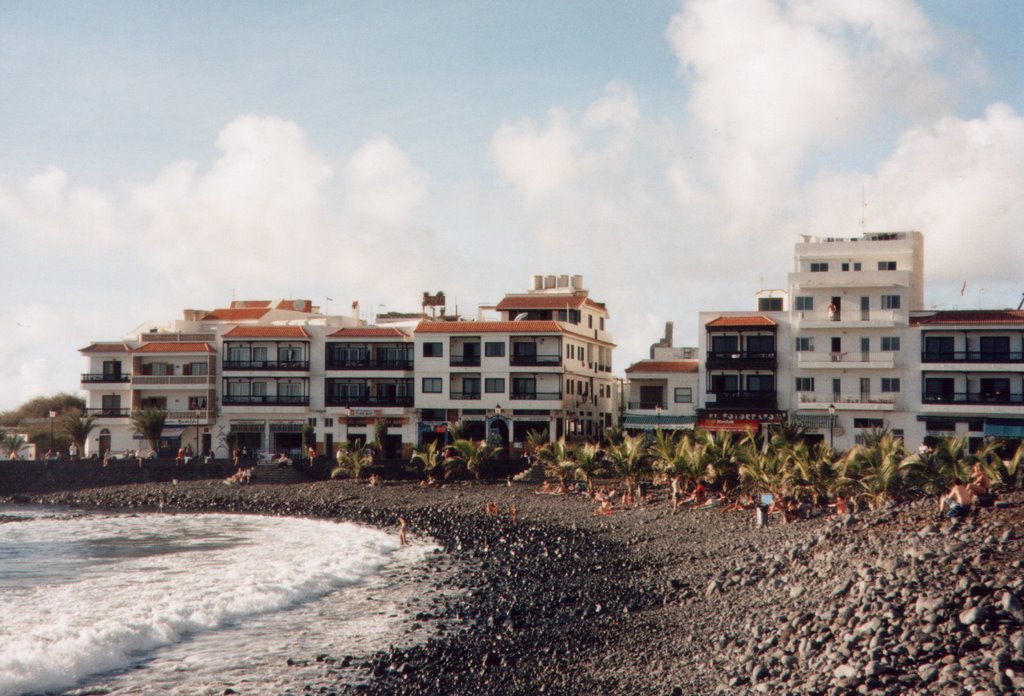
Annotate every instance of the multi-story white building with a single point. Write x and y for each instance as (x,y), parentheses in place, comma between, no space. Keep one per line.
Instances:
(661,392)
(256,373)
(855,351)
(544,365)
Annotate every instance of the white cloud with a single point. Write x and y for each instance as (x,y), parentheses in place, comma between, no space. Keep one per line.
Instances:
(618,108)
(381,183)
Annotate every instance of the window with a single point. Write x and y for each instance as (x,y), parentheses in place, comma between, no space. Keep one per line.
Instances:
(590,321)
(804,343)
(494,385)
(494,349)
(761,383)
(725,344)
(684,395)
(525,386)
(328,422)
(890,384)
(289,389)
(470,385)
(805,304)
(856,265)
(819,267)
(158,368)
(804,384)
(197,403)
(433,350)
(846,265)
(890,343)
(198,368)
(761,344)
(887,265)
(890,301)
(769,304)
(259,388)
(432,385)
(238,354)
(602,324)
(868,423)
(289,354)
(259,354)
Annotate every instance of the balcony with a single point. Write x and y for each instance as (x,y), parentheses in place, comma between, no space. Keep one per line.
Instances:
(535,360)
(108,412)
(368,400)
(742,399)
(464,361)
(875,360)
(853,401)
(368,364)
(536,396)
(739,360)
(849,317)
(264,400)
(973,399)
(190,417)
(267,365)
(100,377)
(647,405)
(970,356)
(465,396)
(173,380)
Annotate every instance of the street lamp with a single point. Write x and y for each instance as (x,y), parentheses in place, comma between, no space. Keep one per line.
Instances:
(53,414)
(657,411)
(831,426)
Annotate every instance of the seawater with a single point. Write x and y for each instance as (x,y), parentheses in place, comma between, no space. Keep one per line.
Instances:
(189,604)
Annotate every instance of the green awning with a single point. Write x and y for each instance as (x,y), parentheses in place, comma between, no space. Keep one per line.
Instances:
(644,422)
(1004,427)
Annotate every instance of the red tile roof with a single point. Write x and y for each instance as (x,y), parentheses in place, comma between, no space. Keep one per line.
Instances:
(106,348)
(175,347)
(369,332)
(294,305)
(475,327)
(267,332)
(971,316)
(737,322)
(249,314)
(664,366)
(527,302)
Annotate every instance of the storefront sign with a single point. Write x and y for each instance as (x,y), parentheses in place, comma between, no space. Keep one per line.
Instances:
(752,415)
(733,426)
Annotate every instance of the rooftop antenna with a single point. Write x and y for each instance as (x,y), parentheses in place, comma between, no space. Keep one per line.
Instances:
(1021,303)
(863,207)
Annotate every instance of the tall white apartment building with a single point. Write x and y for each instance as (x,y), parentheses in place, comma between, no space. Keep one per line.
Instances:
(855,350)
(545,364)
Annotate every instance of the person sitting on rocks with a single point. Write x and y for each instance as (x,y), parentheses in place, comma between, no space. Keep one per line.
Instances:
(374,480)
(980,482)
(959,499)
(492,510)
(840,505)
(605,508)
(513,512)
(546,488)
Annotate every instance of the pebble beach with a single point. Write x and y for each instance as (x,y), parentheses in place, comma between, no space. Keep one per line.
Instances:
(894,601)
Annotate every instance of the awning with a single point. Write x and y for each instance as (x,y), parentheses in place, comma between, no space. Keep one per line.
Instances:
(1004,427)
(172,431)
(643,422)
(810,420)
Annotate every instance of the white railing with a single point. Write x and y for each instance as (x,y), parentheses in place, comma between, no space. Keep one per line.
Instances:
(821,358)
(830,398)
(847,315)
(173,379)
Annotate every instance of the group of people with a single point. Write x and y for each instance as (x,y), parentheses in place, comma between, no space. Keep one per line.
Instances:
(962,498)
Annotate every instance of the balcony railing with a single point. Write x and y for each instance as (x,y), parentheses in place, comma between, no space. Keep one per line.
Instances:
(744,399)
(536,396)
(465,396)
(832,398)
(264,400)
(987,399)
(464,361)
(726,359)
(368,400)
(647,405)
(535,360)
(368,364)
(92,377)
(108,412)
(971,356)
(173,379)
(190,417)
(252,365)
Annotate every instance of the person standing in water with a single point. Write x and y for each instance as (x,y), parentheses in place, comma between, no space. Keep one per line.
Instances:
(403,528)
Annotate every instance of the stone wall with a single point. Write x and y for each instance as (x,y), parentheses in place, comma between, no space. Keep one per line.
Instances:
(20,477)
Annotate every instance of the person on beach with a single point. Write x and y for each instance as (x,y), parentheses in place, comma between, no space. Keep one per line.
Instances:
(514,513)
(959,499)
(106,459)
(492,510)
(980,482)
(73,452)
(403,528)
(605,508)
(236,457)
(179,460)
(840,506)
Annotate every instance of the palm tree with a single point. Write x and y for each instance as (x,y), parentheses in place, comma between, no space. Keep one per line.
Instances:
(681,458)
(1008,473)
(613,435)
(557,460)
(885,471)
(723,454)
(352,459)
(468,455)
(78,427)
(628,458)
(943,462)
(588,462)
(11,444)
(149,423)
(426,455)
(761,470)
(535,439)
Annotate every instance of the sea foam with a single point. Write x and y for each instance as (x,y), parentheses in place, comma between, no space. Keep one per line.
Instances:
(85,595)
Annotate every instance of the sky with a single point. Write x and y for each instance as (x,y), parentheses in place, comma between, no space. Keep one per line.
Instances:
(169,155)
